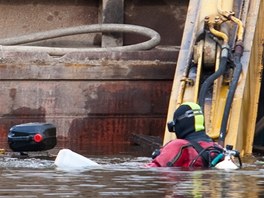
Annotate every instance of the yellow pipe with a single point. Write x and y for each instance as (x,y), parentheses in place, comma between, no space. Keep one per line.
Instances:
(218,34)
(229,15)
(240,30)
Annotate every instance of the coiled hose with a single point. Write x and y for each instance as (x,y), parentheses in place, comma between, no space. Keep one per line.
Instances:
(209,81)
(149,44)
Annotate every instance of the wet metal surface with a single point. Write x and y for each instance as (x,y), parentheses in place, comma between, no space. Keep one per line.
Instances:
(124,176)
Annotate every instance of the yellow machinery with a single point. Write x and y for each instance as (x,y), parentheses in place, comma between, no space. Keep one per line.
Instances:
(220,67)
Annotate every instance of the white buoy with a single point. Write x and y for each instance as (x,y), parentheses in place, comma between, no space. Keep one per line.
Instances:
(67,159)
(227,164)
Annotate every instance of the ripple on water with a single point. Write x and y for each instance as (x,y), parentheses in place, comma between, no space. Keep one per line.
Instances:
(123,176)
(10,162)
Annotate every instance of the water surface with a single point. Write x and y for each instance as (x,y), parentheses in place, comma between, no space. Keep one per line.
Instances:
(125,176)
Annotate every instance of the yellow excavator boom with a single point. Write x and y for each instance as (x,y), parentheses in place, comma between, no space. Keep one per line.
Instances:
(220,67)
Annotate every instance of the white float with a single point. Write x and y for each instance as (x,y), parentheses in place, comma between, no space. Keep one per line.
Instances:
(68,160)
(227,164)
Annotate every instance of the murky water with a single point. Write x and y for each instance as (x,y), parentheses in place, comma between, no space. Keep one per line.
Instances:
(124,176)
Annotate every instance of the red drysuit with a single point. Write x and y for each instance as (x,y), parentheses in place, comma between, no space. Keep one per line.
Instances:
(186,154)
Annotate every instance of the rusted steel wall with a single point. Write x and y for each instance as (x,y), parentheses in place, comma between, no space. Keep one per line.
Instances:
(93,98)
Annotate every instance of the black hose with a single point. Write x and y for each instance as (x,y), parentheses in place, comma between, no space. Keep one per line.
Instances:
(209,81)
(231,93)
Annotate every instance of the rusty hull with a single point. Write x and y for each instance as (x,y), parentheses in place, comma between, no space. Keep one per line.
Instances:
(91,100)
(94,99)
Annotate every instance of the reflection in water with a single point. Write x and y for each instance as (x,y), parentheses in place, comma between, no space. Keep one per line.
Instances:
(124,176)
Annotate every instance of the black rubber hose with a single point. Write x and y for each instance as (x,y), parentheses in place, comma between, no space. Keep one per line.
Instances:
(231,93)
(209,81)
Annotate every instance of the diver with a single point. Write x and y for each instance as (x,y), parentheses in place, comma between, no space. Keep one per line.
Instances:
(193,147)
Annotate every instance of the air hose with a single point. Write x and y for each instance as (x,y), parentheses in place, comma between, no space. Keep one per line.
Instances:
(209,81)
(238,52)
(238,69)
(149,44)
